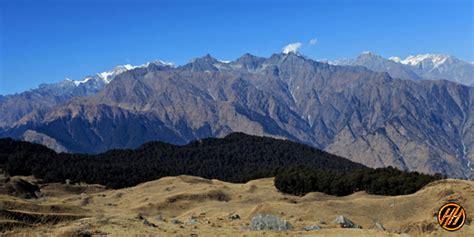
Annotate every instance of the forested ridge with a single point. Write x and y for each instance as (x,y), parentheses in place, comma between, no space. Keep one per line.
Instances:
(235,158)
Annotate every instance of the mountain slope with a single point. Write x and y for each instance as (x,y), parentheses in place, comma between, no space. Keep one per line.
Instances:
(351,111)
(36,102)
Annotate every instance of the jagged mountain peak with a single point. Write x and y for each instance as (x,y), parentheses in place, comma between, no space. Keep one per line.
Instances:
(205,59)
(204,63)
(368,54)
(248,61)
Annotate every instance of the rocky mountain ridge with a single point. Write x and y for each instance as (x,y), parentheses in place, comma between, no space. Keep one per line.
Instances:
(416,67)
(351,111)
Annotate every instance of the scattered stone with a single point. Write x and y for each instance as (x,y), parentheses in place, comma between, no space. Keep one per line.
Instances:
(147,223)
(344,222)
(176,222)
(269,222)
(379,226)
(233,217)
(192,221)
(311,227)
(159,218)
(169,188)
(322,222)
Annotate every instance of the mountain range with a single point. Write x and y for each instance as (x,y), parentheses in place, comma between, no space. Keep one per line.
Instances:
(423,66)
(365,109)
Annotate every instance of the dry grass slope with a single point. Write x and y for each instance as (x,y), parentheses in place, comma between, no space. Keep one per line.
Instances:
(150,208)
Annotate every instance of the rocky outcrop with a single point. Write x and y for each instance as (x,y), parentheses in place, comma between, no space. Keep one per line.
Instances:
(269,222)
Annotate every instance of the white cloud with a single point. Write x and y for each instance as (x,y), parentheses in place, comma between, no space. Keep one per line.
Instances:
(313,41)
(292,48)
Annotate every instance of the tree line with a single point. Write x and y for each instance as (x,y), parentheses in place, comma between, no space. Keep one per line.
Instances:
(235,158)
(300,180)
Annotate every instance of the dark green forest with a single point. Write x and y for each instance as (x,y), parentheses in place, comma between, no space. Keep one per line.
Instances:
(235,158)
(300,180)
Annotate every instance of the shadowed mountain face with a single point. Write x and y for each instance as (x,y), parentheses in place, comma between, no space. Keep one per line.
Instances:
(350,111)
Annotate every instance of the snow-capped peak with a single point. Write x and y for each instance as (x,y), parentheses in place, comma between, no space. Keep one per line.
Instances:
(165,63)
(107,76)
(395,59)
(435,59)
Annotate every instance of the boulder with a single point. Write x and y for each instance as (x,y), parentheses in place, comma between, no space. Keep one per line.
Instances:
(192,221)
(147,223)
(344,222)
(269,222)
(233,217)
(311,227)
(176,222)
(159,217)
(379,226)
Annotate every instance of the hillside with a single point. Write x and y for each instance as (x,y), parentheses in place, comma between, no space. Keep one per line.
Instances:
(150,208)
(235,158)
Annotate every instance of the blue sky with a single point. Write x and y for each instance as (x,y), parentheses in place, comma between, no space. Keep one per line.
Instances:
(46,41)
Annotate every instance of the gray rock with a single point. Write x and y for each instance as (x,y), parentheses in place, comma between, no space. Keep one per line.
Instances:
(344,222)
(233,217)
(269,222)
(176,222)
(379,226)
(311,227)
(159,218)
(192,221)
(147,223)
